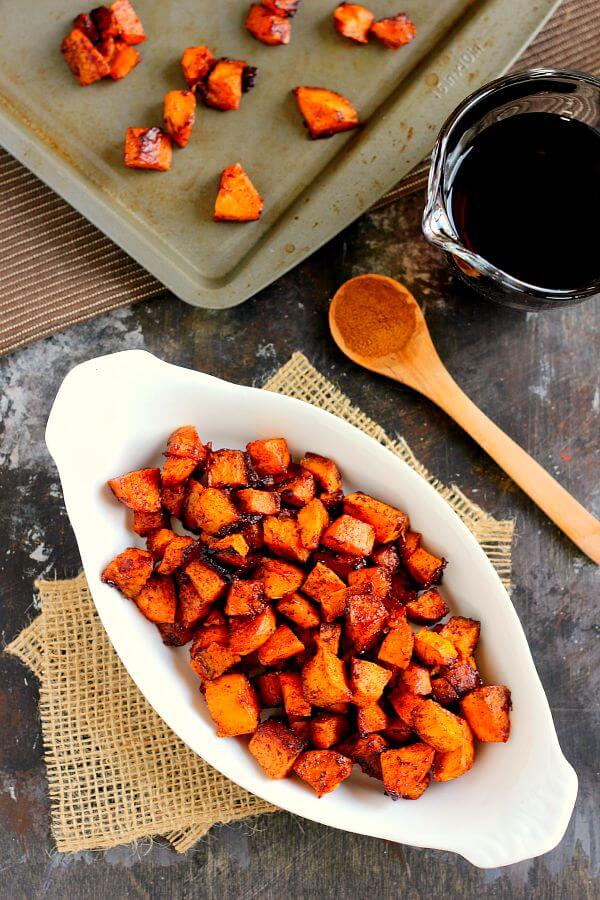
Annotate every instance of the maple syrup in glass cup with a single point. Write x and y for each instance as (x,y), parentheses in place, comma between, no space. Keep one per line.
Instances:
(514,189)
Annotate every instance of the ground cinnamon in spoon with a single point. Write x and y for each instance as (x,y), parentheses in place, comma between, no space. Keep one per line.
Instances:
(374,317)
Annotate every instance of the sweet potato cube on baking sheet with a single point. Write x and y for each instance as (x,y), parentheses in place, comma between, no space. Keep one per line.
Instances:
(185,443)
(247,634)
(324,680)
(327,474)
(269,688)
(276,748)
(158,541)
(208,509)
(227,469)
(84,60)
(451,764)
(226,82)
(388,523)
(174,634)
(145,523)
(353,21)
(213,630)
(296,706)
(245,598)
(157,600)
(366,752)
(280,577)
(373,580)
(349,535)
(268,27)
(394,31)
(173,499)
(371,719)
(122,60)
(237,198)
(428,608)
(148,148)
(437,726)
(328,636)
(299,610)
(387,557)
(106,23)
(196,63)
(367,681)
(397,646)
(129,27)
(179,115)
(425,568)
(207,582)
(487,710)
(282,537)
(463,633)
(192,606)
(397,732)
(323,770)
(176,472)
(283,7)
(405,703)
(212,661)
(129,571)
(406,770)
(84,22)
(178,553)
(233,704)
(313,519)
(366,617)
(434,649)
(270,456)
(328,729)
(281,645)
(325,112)
(139,490)
(416,678)
(299,489)
(258,503)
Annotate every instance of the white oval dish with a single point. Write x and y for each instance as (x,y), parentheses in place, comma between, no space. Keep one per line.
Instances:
(113,414)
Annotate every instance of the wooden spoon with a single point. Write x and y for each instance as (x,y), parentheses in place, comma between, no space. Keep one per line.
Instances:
(377,322)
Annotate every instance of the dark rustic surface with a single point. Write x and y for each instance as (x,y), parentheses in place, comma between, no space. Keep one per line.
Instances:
(536,375)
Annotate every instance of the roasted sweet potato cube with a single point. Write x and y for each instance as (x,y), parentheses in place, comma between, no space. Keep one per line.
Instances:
(213,661)
(232,550)
(324,680)
(323,770)
(84,22)
(387,557)
(454,682)
(192,606)
(269,688)
(268,27)
(437,726)
(366,617)
(233,704)
(178,553)
(173,499)
(175,634)
(185,443)
(425,568)
(227,469)
(148,148)
(328,729)
(388,523)
(373,580)
(353,21)
(282,537)
(328,636)
(416,678)
(245,598)
(397,647)
(176,471)
(179,115)
(370,719)
(280,578)
(451,764)
(463,633)
(443,692)
(394,31)
(332,500)
(208,509)
(226,81)
(145,523)
(84,60)
(237,198)
(276,748)
(248,633)
(281,645)
(406,770)
(270,456)
(327,474)
(366,752)
(207,582)
(123,59)
(139,490)
(313,519)
(349,535)
(397,732)
(325,112)
(130,29)
(299,610)
(299,489)
(340,563)
(487,710)
(258,503)
(368,681)
(405,703)
(213,630)
(408,543)
(106,22)
(157,600)
(434,649)
(129,571)
(328,590)
(283,7)
(428,608)
(296,707)
(157,541)
(196,63)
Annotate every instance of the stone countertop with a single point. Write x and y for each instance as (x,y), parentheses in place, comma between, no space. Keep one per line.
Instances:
(536,375)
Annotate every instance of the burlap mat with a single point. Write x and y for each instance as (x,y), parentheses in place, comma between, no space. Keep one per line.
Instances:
(116,772)
(56,269)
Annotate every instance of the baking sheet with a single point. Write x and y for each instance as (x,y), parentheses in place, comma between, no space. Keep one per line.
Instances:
(72,137)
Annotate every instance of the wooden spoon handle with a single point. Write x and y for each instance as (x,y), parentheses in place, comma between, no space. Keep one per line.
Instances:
(570,516)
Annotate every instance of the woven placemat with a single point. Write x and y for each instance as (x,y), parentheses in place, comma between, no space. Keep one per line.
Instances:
(116,772)
(56,269)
